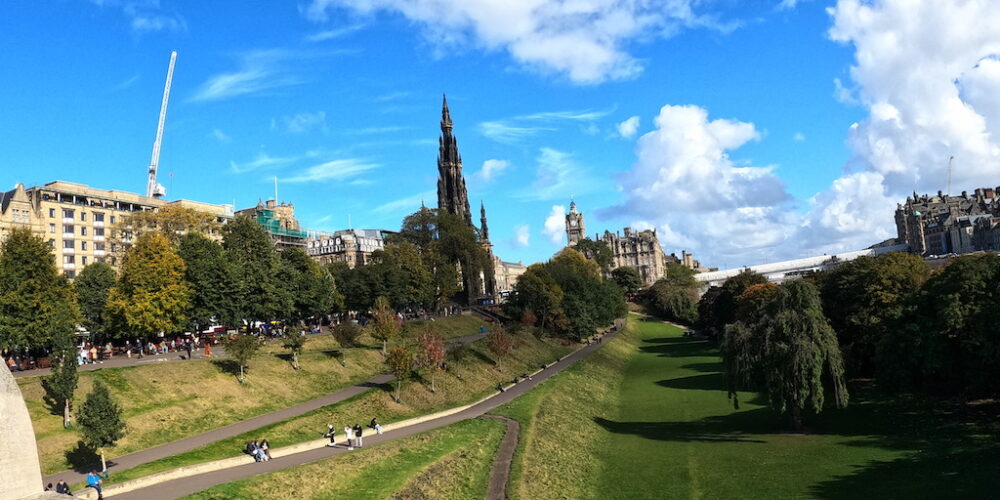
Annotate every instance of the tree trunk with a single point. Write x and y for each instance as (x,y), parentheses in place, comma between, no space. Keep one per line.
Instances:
(104,464)
(66,419)
(398,383)
(795,418)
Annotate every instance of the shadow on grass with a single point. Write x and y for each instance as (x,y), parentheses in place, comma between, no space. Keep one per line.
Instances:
(681,348)
(704,367)
(228,366)
(707,382)
(732,428)
(83,458)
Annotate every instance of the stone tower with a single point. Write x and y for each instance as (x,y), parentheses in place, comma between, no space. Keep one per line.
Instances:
(576,230)
(452,196)
(484,230)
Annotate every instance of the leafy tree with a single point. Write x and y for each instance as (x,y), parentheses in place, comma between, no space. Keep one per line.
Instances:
(172,221)
(528,318)
(294,342)
(150,295)
(706,311)
(347,334)
(384,324)
(92,288)
(597,251)
(433,353)
(864,298)
(36,302)
(538,292)
(675,295)
(258,295)
(100,420)
(589,301)
(787,351)
(242,348)
(501,344)
(627,278)
(61,384)
(400,362)
(212,279)
(412,283)
(312,289)
(724,310)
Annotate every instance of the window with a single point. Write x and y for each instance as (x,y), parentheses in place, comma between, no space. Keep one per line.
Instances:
(69,259)
(112,219)
(68,228)
(83,246)
(52,243)
(71,274)
(67,243)
(67,213)
(83,231)
(52,228)
(52,213)
(84,260)
(98,217)
(99,246)
(99,259)
(83,216)
(98,231)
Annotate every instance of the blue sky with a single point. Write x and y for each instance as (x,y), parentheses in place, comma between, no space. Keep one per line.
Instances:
(742,131)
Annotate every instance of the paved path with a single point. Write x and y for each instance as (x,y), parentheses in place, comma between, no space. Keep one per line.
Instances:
(185,486)
(121,360)
(169,449)
(500,471)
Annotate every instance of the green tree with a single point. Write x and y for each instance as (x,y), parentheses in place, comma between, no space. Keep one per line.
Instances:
(100,420)
(501,344)
(92,288)
(294,342)
(385,326)
(258,295)
(150,295)
(627,278)
(61,384)
(400,362)
(724,310)
(786,351)
(864,298)
(211,277)
(675,295)
(346,334)
(242,348)
(36,302)
(538,292)
(433,353)
(312,289)
(172,221)
(597,251)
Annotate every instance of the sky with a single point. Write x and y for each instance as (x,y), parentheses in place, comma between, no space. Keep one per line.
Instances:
(743,131)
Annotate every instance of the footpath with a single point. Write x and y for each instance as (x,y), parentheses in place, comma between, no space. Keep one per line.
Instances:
(173,448)
(187,480)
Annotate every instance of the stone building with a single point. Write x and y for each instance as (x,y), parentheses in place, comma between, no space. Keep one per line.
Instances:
(943,224)
(637,249)
(351,246)
(279,221)
(77,220)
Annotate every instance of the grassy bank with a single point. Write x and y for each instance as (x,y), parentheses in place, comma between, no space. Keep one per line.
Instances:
(472,376)
(448,463)
(166,401)
(654,422)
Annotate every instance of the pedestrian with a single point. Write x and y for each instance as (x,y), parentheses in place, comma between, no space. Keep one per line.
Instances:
(48,487)
(94,481)
(266,448)
(358,431)
(62,487)
(208,348)
(190,347)
(139,346)
(349,432)
(128,349)
(375,425)
(330,431)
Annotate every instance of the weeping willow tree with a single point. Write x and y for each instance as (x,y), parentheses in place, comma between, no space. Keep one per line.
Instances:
(783,346)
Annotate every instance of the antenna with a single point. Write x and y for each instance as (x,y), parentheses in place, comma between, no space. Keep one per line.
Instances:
(153,189)
(950,160)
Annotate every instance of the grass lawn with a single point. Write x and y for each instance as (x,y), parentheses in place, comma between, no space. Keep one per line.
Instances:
(448,463)
(472,363)
(647,417)
(164,402)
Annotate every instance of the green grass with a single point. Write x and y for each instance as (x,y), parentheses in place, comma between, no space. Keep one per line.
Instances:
(478,378)
(654,422)
(165,402)
(447,463)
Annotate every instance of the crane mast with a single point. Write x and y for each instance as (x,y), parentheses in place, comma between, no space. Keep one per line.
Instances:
(152,188)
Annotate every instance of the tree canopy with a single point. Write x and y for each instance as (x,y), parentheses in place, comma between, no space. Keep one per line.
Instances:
(627,278)
(151,295)
(212,279)
(257,295)
(597,251)
(93,286)
(675,295)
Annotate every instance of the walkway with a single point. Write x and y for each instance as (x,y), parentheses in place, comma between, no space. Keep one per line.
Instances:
(173,448)
(500,471)
(188,485)
(122,360)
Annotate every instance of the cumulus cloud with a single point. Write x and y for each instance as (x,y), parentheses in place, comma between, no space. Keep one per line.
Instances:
(555,225)
(522,236)
(492,168)
(584,41)
(628,128)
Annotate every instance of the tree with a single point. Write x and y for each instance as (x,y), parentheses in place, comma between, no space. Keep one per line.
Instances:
(36,302)
(150,295)
(384,323)
(310,285)
(294,342)
(723,311)
(211,277)
(346,334)
(500,343)
(787,350)
(596,251)
(675,295)
(433,353)
(258,295)
(589,301)
(172,221)
(92,288)
(536,291)
(61,384)
(400,363)
(100,420)
(628,279)
(242,348)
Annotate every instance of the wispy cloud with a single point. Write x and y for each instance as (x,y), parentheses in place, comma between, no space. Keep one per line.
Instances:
(303,122)
(333,33)
(511,130)
(126,83)
(557,176)
(333,170)
(261,161)
(799,137)
(381,130)
(220,136)
(393,96)
(492,168)
(145,15)
(411,203)
(259,71)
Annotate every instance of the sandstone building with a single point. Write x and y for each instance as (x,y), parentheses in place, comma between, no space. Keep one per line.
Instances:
(279,221)
(351,246)
(943,224)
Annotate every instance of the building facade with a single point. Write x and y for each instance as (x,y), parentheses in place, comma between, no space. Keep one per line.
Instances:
(353,247)
(576,229)
(77,220)
(943,224)
(279,221)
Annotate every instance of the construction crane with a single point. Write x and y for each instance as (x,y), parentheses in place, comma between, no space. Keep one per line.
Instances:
(153,189)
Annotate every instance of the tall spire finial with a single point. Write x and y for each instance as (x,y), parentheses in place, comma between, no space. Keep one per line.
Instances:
(445,113)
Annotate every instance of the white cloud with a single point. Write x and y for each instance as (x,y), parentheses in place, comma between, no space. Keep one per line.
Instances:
(514,129)
(220,136)
(628,128)
(260,71)
(304,122)
(789,4)
(555,225)
(332,170)
(492,168)
(333,33)
(522,236)
(127,83)
(261,161)
(585,41)
(410,203)
(146,15)
(799,137)
(557,176)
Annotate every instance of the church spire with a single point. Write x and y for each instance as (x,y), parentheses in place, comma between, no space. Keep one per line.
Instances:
(452,196)
(445,114)
(483,228)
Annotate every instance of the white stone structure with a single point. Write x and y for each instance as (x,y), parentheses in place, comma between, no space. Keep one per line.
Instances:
(20,474)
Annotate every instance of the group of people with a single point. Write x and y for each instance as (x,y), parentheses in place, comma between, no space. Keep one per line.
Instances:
(93,481)
(62,488)
(354,435)
(260,451)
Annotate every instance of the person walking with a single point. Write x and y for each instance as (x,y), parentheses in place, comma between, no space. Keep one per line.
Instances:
(349,432)
(330,431)
(190,347)
(94,481)
(358,431)
(208,348)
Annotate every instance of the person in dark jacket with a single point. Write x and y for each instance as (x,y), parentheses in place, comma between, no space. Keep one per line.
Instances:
(358,431)
(62,487)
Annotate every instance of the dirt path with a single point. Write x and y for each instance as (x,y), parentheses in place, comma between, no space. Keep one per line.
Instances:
(500,472)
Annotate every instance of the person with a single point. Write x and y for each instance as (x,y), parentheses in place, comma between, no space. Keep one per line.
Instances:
(358,431)
(48,487)
(128,349)
(375,425)
(251,450)
(349,432)
(527,376)
(208,348)
(265,448)
(62,487)
(190,347)
(93,353)
(330,431)
(94,481)
(139,346)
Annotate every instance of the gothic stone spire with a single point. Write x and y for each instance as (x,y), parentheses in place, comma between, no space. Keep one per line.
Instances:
(484,229)
(452,195)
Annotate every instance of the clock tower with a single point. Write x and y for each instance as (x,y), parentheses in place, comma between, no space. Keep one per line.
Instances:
(575,228)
